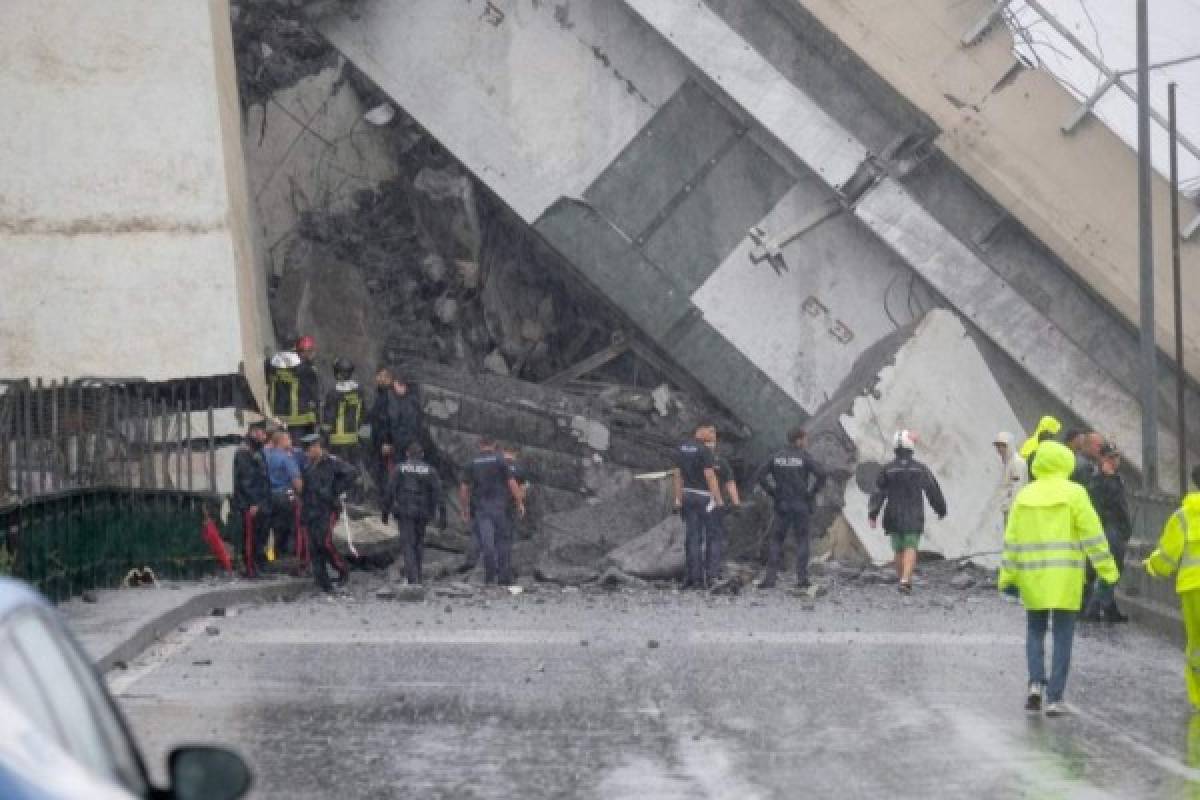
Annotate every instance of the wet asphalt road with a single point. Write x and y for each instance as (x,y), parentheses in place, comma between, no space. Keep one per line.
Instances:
(560,694)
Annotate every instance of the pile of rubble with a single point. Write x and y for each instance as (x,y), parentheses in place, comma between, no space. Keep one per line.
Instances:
(389,252)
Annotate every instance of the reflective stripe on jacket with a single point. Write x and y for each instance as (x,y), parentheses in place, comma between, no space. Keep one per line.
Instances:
(1052,531)
(1178,548)
(344,416)
(287,405)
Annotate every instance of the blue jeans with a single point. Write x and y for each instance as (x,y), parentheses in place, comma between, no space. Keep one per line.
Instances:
(1035,649)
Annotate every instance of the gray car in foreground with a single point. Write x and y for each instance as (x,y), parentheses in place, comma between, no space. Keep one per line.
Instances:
(61,736)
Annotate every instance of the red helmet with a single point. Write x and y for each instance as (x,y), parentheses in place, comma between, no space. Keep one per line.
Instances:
(306,343)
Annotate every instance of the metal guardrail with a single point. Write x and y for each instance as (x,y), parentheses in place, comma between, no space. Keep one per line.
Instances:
(66,542)
(1150,513)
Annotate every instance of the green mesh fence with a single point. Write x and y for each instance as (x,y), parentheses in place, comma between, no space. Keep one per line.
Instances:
(67,542)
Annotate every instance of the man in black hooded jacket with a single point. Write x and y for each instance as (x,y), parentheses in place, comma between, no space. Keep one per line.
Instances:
(903,486)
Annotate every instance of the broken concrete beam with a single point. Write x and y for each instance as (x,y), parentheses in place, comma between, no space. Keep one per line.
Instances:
(556,419)
(550,467)
(937,384)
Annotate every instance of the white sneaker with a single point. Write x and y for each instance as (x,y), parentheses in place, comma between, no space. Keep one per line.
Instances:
(1033,702)
(1056,709)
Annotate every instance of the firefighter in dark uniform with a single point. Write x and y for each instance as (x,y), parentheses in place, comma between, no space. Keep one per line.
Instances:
(344,413)
(486,486)
(714,523)
(294,388)
(414,496)
(697,492)
(251,500)
(793,479)
(326,477)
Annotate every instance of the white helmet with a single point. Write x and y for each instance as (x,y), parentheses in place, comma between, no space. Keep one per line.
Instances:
(904,439)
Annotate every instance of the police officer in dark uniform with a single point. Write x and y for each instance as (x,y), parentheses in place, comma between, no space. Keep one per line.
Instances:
(405,417)
(697,492)
(326,477)
(252,498)
(486,486)
(714,522)
(793,479)
(527,525)
(414,495)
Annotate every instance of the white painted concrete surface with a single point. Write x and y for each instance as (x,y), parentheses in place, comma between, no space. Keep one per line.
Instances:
(940,387)
(126,243)
(789,324)
(535,98)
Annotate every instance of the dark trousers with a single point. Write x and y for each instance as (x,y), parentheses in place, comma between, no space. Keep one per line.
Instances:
(495,544)
(695,520)
(321,549)
(474,547)
(381,469)
(254,543)
(786,521)
(352,454)
(282,522)
(1096,598)
(1060,659)
(412,541)
(714,544)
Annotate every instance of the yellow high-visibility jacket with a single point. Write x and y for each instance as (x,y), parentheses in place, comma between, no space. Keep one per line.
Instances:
(1179,547)
(1052,530)
(1046,424)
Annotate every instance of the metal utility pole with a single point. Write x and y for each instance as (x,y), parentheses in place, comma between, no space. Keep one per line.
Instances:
(1176,274)
(1149,347)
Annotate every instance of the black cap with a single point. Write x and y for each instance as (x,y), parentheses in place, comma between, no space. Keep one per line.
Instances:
(310,439)
(1109,449)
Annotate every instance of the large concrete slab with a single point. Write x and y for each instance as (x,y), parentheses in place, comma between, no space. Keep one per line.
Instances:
(951,267)
(938,385)
(515,90)
(127,245)
(1001,125)
(805,327)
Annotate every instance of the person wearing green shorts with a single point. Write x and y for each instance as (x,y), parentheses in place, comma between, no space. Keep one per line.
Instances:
(905,541)
(903,486)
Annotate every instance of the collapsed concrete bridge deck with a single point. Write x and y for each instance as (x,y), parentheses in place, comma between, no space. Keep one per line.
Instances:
(766,209)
